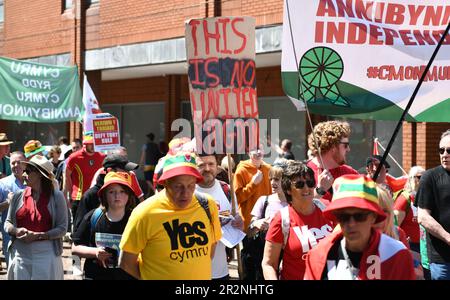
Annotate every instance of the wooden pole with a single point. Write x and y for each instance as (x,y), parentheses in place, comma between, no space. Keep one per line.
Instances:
(233,212)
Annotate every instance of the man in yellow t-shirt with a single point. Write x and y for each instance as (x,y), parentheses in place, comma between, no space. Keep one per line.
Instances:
(172,235)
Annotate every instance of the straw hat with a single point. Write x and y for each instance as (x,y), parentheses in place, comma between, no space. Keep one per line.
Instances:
(4,140)
(43,165)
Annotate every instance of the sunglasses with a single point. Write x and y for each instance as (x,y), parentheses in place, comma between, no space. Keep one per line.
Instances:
(300,184)
(29,170)
(346,144)
(442,150)
(358,217)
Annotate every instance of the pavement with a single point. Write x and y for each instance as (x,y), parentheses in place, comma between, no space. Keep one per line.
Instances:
(73,273)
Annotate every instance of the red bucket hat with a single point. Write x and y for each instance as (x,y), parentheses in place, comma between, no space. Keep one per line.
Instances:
(182,163)
(356,191)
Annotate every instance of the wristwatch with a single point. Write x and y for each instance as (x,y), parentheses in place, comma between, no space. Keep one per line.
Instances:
(320,191)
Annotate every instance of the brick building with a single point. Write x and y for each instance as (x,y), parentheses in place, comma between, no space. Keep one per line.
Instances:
(134,56)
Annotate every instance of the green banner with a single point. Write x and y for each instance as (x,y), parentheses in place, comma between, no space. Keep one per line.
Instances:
(41,93)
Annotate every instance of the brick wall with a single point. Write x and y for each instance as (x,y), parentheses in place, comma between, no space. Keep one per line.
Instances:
(40,28)
(117,22)
(35,28)
(420,144)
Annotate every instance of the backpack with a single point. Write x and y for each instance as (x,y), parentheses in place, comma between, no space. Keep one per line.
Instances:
(96,215)
(226,189)
(201,198)
(286,221)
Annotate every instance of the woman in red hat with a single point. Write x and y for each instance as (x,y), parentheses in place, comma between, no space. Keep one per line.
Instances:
(357,251)
(98,236)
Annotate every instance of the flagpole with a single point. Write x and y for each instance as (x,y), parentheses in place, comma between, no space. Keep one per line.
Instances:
(393,159)
(408,106)
(300,91)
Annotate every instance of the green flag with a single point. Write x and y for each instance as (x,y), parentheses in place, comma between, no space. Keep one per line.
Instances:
(41,93)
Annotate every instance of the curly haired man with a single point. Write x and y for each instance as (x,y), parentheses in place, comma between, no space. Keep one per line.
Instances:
(333,145)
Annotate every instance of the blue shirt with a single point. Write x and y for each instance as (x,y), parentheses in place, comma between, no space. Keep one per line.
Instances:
(9,184)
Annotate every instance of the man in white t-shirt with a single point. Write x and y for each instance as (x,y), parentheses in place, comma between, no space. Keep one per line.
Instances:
(207,166)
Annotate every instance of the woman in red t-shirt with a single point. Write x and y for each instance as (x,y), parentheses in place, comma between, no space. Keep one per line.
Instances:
(37,221)
(306,228)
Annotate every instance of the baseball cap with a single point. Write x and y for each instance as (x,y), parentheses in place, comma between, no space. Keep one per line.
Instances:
(119,161)
(370,159)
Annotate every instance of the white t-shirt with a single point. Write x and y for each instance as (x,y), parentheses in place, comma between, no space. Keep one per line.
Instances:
(219,261)
(273,206)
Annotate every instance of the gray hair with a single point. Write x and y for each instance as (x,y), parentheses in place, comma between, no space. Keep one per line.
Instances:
(445,134)
(410,185)
(119,151)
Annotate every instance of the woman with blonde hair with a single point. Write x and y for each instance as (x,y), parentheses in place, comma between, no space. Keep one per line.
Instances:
(387,226)
(262,213)
(405,210)
(406,214)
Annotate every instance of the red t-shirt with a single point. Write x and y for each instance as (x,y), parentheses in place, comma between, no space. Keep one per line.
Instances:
(336,172)
(34,216)
(304,233)
(83,167)
(409,224)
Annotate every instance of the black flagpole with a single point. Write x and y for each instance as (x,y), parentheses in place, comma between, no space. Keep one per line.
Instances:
(400,122)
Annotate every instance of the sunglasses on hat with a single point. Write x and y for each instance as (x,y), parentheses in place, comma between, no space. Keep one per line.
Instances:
(358,217)
(442,150)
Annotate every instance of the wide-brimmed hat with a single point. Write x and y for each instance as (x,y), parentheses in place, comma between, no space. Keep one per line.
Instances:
(33,147)
(122,178)
(182,163)
(357,191)
(43,165)
(119,161)
(4,140)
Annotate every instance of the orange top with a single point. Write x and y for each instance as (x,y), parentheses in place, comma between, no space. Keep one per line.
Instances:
(247,193)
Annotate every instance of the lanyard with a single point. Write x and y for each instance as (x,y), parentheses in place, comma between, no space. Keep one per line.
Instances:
(353,271)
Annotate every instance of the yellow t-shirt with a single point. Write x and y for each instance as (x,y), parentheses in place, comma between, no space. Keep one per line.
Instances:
(173,243)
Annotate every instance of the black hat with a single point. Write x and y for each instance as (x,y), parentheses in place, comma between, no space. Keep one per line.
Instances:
(377,157)
(119,161)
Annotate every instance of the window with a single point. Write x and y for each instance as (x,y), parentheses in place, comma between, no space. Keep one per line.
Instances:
(2,11)
(47,133)
(67,4)
(135,122)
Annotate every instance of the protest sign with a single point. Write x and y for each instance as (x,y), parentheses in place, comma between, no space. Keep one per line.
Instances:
(106,132)
(363,59)
(222,82)
(38,92)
